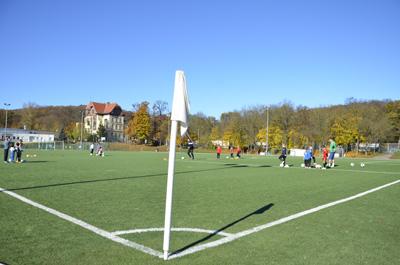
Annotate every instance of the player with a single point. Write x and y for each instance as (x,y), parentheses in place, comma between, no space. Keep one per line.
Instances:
(6,148)
(100,151)
(12,153)
(91,148)
(282,157)
(307,158)
(18,149)
(231,150)
(332,151)
(324,156)
(312,154)
(190,148)
(238,152)
(219,151)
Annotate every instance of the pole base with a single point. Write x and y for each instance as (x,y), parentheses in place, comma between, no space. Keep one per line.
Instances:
(165,255)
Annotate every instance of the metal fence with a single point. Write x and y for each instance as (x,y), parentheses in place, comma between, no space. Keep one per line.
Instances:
(390,147)
(59,145)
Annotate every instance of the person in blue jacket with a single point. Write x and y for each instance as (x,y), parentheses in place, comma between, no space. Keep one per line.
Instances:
(307,158)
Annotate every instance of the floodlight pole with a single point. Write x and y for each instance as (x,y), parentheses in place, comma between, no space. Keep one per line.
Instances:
(81,127)
(170,185)
(266,142)
(5,127)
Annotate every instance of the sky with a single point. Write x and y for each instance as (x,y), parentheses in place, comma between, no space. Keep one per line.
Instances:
(235,54)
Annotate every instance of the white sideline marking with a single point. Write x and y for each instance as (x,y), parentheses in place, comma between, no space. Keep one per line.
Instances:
(175,229)
(85,225)
(276,222)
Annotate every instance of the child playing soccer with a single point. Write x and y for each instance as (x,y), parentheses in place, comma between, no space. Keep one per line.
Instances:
(231,150)
(324,155)
(19,152)
(190,149)
(282,157)
(332,151)
(307,158)
(238,152)
(219,151)
(12,153)
(91,148)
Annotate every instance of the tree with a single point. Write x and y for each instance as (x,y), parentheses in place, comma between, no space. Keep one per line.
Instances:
(72,131)
(157,119)
(393,114)
(159,107)
(62,136)
(215,133)
(29,116)
(283,116)
(101,131)
(139,126)
(274,136)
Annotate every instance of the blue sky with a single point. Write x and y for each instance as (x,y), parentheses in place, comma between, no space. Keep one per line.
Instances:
(235,53)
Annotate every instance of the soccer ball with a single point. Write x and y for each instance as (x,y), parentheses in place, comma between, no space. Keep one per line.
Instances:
(362,165)
(286,166)
(27,155)
(352,164)
(324,168)
(227,157)
(302,165)
(281,165)
(182,157)
(317,166)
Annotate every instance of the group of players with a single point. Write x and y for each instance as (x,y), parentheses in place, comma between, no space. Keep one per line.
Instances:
(12,151)
(328,156)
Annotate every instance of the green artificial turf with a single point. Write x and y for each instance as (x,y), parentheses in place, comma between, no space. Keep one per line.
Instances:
(126,190)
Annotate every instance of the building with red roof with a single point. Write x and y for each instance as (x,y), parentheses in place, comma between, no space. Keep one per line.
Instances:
(110,115)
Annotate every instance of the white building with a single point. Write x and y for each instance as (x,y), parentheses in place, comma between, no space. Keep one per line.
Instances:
(27,136)
(109,115)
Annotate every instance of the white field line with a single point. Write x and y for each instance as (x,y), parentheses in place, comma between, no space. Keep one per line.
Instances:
(175,229)
(274,223)
(85,225)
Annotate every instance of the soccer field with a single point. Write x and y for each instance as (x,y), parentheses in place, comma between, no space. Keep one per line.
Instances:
(66,207)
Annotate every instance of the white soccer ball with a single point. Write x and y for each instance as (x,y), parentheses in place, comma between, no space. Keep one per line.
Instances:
(227,157)
(324,168)
(362,165)
(182,157)
(352,164)
(302,165)
(317,166)
(281,165)
(27,155)
(34,155)
(286,166)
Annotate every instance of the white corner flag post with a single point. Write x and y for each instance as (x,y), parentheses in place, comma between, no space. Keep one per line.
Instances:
(180,112)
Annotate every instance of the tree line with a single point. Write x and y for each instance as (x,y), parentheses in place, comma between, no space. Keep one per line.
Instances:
(356,121)
(349,124)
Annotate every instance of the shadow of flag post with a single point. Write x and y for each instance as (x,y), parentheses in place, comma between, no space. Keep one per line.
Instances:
(180,113)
